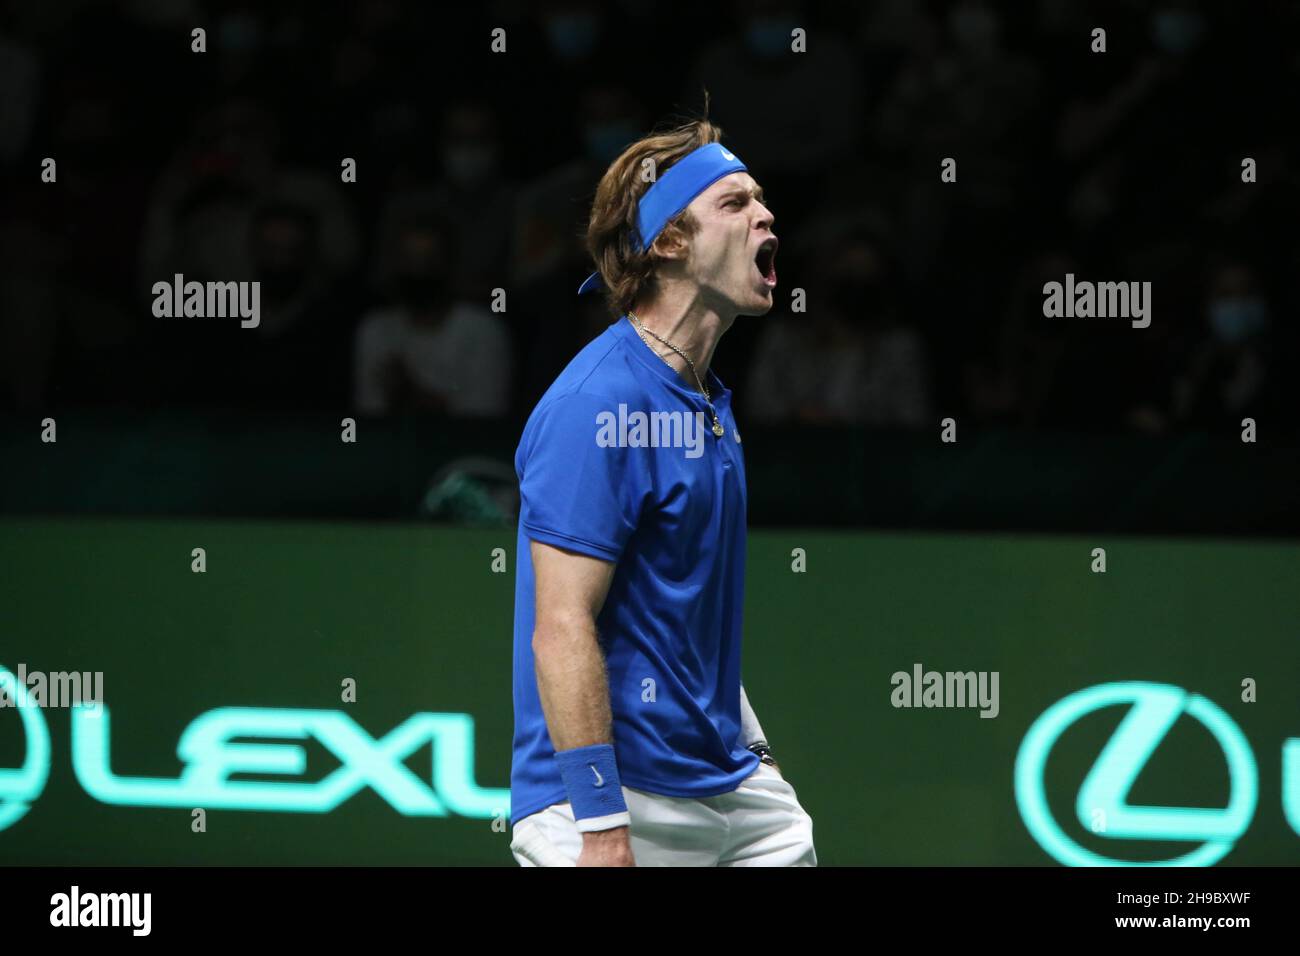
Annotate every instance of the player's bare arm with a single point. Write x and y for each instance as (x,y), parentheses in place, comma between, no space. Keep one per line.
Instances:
(571,679)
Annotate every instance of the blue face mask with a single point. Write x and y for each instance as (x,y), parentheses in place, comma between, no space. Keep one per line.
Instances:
(571,35)
(1235,319)
(1177,31)
(240,33)
(605,141)
(769,36)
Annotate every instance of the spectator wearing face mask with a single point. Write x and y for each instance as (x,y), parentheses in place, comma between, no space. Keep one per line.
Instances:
(469,192)
(579,40)
(297,355)
(1227,375)
(573,31)
(231,165)
(552,208)
(429,351)
(786,112)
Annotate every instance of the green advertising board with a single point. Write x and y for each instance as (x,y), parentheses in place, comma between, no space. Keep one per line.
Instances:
(340,694)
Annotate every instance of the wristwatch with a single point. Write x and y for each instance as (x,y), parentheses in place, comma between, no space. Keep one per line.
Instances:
(764,752)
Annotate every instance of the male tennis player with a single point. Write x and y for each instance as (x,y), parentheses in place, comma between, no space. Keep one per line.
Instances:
(634,742)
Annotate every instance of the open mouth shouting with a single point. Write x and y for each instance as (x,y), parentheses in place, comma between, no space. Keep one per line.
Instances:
(765,262)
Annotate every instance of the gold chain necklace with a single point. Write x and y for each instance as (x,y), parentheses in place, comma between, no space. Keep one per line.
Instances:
(643,331)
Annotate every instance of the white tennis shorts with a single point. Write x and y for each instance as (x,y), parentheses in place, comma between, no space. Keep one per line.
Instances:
(760,823)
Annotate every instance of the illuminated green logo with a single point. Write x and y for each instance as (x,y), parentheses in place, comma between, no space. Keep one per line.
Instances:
(1105,790)
(211,758)
(19,788)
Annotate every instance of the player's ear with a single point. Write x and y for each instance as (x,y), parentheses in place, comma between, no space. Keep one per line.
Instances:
(671,243)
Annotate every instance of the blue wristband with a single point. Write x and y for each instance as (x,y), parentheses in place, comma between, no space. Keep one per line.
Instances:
(590,777)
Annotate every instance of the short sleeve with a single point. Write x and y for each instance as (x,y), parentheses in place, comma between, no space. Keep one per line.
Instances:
(578,490)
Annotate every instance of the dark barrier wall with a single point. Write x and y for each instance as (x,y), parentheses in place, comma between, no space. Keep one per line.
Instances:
(237,465)
(1200,632)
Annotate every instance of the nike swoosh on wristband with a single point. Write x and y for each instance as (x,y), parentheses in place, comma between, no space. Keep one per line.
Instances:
(600,781)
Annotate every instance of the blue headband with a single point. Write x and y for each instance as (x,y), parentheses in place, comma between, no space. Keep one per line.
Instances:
(672,192)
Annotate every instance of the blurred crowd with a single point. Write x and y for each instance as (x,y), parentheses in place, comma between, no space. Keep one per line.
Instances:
(475,170)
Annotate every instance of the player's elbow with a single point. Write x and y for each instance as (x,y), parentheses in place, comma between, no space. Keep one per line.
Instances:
(562,631)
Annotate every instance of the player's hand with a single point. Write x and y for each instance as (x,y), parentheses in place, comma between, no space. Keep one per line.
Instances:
(607,848)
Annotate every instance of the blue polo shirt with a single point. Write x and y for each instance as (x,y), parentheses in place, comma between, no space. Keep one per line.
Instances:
(619,461)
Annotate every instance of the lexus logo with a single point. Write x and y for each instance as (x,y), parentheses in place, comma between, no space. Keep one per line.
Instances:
(1104,794)
(215,748)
